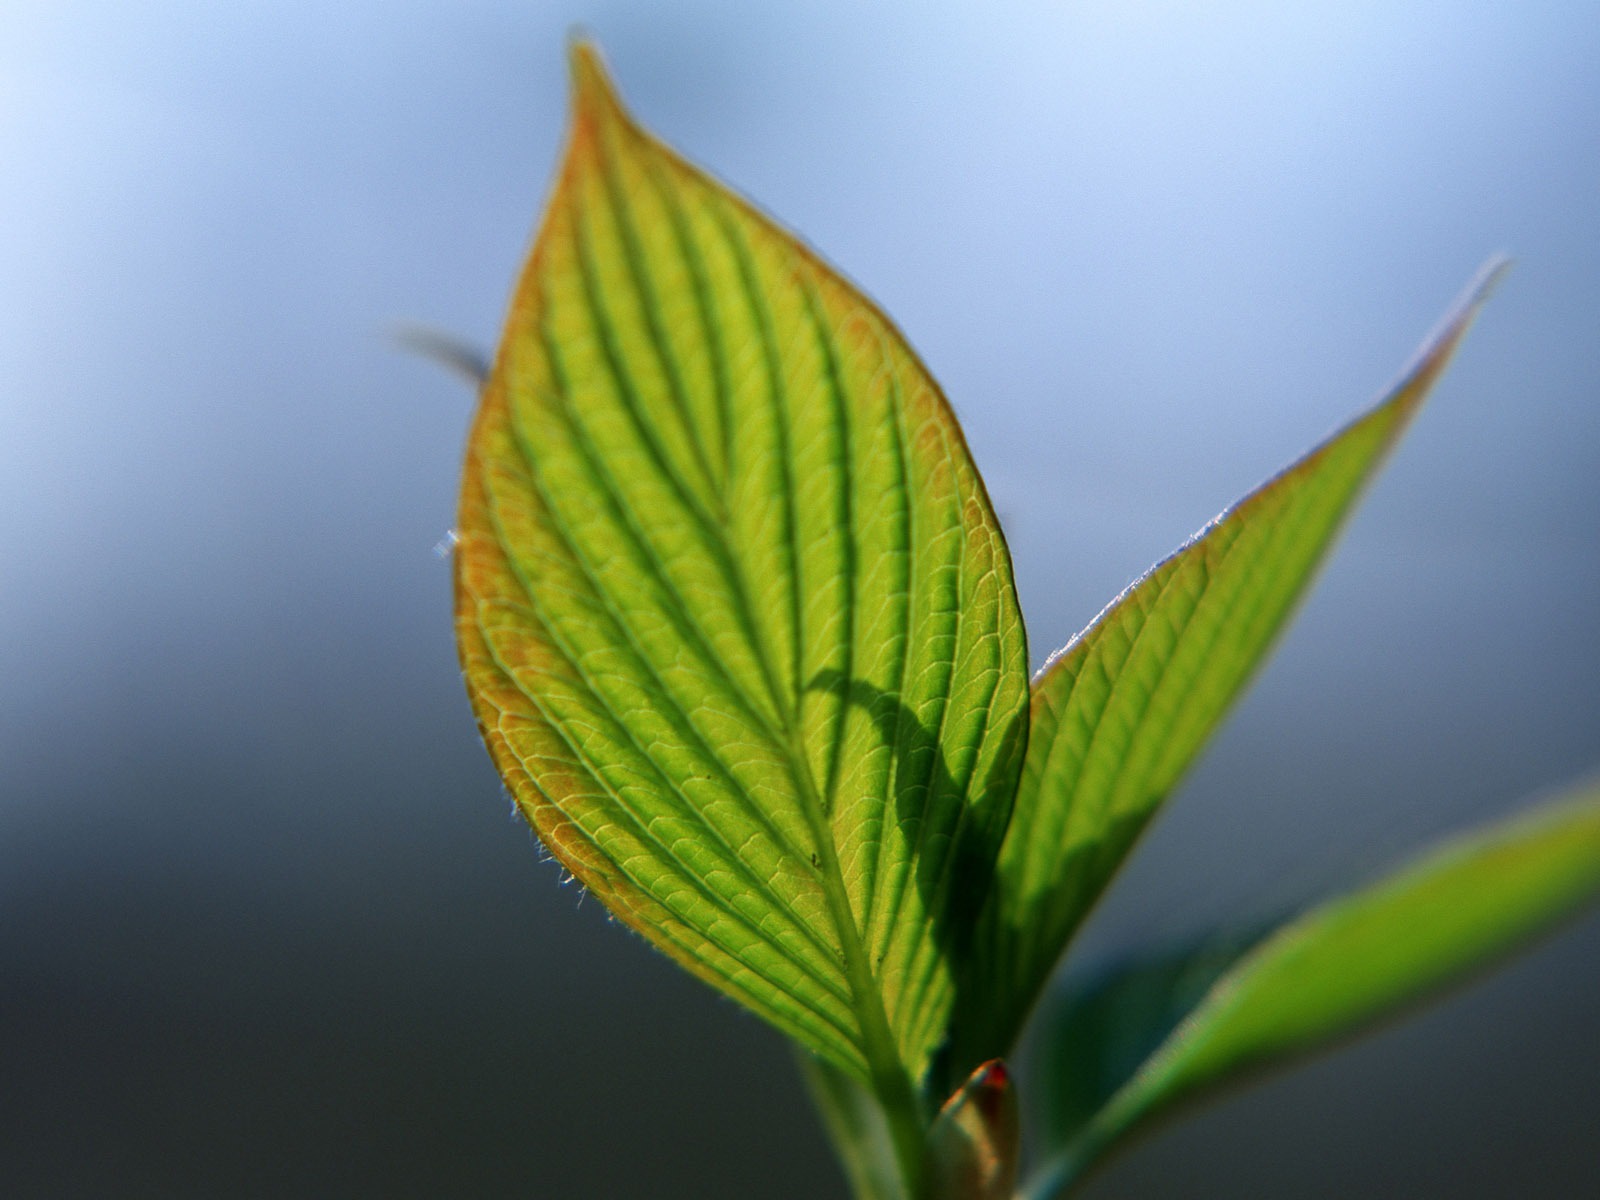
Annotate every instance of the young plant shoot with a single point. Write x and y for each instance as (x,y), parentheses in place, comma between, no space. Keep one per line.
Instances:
(739,629)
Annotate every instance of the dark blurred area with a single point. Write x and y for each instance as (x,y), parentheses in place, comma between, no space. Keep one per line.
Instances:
(267,925)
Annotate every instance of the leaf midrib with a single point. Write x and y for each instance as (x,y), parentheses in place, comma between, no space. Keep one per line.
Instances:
(626,520)
(705,523)
(875,1039)
(890,1078)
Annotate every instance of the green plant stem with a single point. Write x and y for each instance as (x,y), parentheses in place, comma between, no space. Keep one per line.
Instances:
(856,1124)
(890,1083)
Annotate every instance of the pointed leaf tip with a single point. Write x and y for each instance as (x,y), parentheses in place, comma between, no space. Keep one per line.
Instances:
(725,568)
(1119,714)
(592,88)
(1440,346)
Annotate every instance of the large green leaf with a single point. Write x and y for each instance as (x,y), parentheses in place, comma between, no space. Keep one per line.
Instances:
(736,616)
(1324,975)
(1118,715)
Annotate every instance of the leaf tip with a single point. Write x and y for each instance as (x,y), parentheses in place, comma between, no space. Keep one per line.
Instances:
(1474,296)
(593,93)
(1440,345)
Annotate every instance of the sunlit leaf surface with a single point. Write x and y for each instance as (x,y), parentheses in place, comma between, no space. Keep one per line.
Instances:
(735,613)
(1120,713)
(1326,974)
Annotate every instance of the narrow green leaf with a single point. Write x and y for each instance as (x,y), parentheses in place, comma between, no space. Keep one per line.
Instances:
(736,616)
(1096,1029)
(1346,963)
(1121,712)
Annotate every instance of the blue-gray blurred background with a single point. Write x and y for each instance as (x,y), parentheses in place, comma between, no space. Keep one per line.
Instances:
(267,926)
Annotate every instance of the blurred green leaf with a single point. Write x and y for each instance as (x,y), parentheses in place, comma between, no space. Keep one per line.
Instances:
(857,1128)
(1330,972)
(736,616)
(1122,711)
(1098,1028)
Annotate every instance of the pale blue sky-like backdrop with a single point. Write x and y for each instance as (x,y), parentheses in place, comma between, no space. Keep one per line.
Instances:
(266,925)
